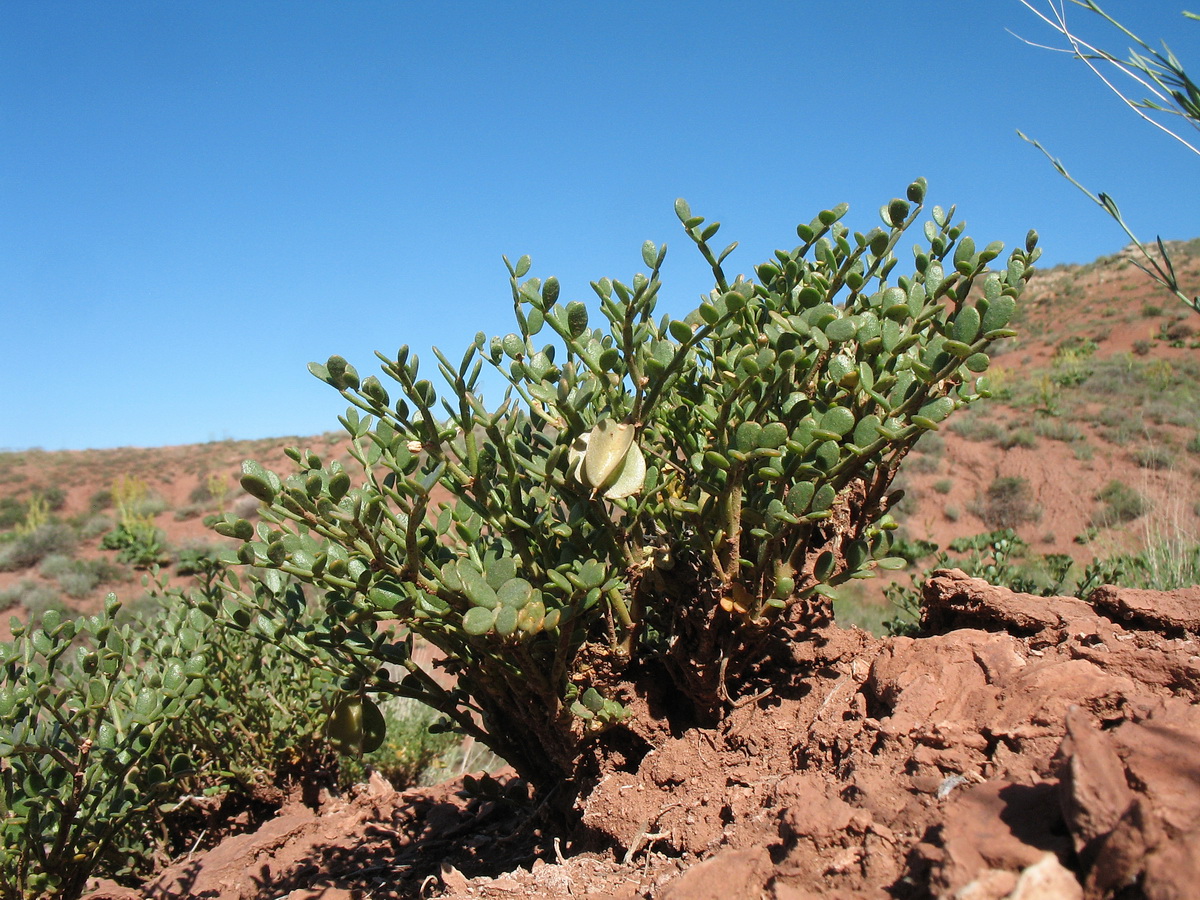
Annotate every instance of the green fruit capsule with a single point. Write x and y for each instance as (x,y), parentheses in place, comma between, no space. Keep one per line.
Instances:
(356,726)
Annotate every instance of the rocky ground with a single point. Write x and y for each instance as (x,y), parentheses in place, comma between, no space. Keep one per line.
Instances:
(1021,747)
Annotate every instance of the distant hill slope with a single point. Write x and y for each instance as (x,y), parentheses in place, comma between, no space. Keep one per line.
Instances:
(1101,387)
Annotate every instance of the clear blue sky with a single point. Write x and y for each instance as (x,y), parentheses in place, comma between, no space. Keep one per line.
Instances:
(197,198)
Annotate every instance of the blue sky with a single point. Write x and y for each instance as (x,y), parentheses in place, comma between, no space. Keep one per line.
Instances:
(197,198)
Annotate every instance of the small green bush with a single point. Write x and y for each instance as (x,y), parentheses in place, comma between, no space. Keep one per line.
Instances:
(1003,559)
(943,485)
(12,513)
(138,542)
(1057,430)
(55,498)
(107,721)
(77,759)
(923,463)
(56,564)
(196,559)
(30,548)
(32,597)
(95,526)
(79,577)
(1176,332)
(1018,437)
(1121,504)
(1154,457)
(1007,503)
(977,428)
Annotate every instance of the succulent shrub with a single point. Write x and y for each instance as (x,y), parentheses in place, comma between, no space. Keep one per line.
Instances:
(85,706)
(261,712)
(656,510)
(109,727)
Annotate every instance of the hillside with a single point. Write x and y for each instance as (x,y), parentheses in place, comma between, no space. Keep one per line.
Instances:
(1100,388)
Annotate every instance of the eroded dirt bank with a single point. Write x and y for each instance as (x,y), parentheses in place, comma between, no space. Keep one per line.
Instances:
(1021,748)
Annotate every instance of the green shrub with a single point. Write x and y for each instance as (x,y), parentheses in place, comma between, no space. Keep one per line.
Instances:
(55,498)
(79,577)
(657,506)
(56,564)
(932,444)
(30,548)
(1018,437)
(33,597)
(1007,503)
(77,757)
(1121,504)
(272,702)
(196,559)
(943,485)
(95,526)
(1176,332)
(138,542)
(1153,457)
(923,463)
(976,428)
(107,722)
(1057,430)
(12,512)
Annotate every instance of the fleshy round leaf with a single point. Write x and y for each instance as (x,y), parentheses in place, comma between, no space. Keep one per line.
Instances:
(478,620)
